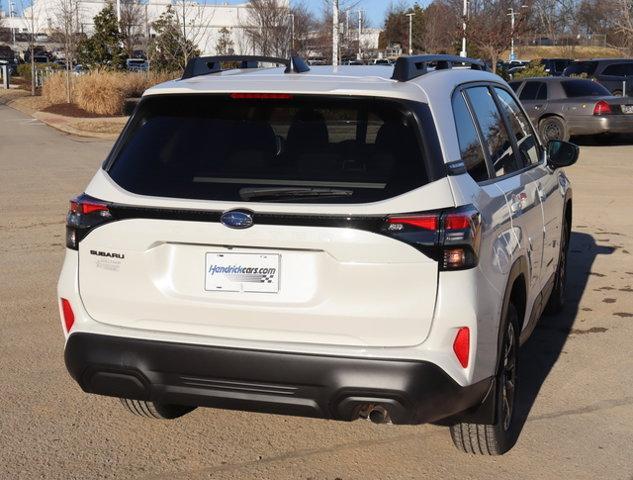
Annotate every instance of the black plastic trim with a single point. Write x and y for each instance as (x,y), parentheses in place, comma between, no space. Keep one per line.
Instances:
(321,386)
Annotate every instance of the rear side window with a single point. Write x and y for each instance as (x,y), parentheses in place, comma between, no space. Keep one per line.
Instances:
(493,130)
(583,88)
(295,149)
(534,91)
(579,68)
(529,150)
(469,145)
(619,70)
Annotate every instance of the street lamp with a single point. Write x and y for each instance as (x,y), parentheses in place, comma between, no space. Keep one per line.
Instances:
(410,15)
(513,14)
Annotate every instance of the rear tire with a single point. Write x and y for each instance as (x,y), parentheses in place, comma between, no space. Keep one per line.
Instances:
(553,128)
(497,439)
(155,410)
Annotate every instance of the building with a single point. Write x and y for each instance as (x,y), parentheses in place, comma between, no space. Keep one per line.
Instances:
(203,22)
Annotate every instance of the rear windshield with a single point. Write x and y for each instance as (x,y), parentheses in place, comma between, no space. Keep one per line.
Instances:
(578,68)
(583,88)
(294,149)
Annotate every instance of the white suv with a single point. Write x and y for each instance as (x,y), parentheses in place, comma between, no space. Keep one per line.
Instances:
(335,243)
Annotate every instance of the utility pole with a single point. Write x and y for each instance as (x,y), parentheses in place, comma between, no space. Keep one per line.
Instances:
(12,16)
(360,27)
(513,14)
(335,32)
(292,33)
(464,19)
(410,15)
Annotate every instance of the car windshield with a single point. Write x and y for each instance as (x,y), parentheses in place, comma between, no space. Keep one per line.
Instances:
(579,68)
(583,88)
(216,147)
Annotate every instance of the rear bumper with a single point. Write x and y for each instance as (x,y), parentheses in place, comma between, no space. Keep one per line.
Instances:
(264,381)
(596,124)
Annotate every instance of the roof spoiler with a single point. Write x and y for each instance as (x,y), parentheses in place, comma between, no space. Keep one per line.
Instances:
(408,68)
(213,64)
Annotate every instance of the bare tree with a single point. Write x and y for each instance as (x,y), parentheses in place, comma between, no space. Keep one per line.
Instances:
(194,20)
(489,28)
(66,16)
(268,27)
(442,27)
(131,24)
(624,23)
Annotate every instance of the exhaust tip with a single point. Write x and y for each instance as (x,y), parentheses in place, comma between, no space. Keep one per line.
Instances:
(379,414)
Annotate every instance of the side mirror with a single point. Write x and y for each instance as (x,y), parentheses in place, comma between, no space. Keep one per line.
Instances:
(561,154)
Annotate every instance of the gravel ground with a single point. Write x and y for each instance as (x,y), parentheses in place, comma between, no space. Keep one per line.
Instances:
(576,390)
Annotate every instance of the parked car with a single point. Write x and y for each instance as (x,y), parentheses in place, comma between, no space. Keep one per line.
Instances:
(362,243)
(563,106)
(137,65)
(616,74)
(382,61)
(555,66)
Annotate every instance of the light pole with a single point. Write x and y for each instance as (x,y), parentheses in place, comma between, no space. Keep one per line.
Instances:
(118,13)
(335,32)
(292,33)
(513,14)
(360,26)
(464,18)
(410,15)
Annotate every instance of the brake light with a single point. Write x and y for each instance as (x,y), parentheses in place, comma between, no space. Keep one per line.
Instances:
(69,316)
(452,237)
(85,213)
(602,108)
(426,222)
(260,96)
(461,346)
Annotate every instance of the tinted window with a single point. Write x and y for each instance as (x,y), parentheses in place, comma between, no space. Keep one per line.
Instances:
(213,147)
(583,88)
(534,91)
(493,130)
(579,68)
(469,145)
(515,85)
(526,139)
(619,69)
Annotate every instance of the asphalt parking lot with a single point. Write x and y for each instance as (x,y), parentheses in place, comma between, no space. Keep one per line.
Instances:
(576,391)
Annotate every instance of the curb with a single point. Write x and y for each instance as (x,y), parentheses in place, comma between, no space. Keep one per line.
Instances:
(60,122)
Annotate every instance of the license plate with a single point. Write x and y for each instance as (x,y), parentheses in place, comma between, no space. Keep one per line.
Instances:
(241,272)
(627,108)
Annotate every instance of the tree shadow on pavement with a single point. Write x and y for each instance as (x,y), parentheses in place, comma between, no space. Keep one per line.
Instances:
(540,353)
(603,140)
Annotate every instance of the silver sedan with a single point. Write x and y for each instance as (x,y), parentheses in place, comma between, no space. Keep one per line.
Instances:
(561,107)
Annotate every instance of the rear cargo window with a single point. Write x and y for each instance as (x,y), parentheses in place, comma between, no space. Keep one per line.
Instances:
(284,149)
(580,68)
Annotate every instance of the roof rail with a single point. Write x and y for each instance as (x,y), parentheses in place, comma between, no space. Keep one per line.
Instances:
(213,64)
(408,68)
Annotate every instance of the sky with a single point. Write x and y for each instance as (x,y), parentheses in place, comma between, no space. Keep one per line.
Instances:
(374,8)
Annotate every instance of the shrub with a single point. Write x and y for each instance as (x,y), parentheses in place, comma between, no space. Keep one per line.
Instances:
(534,69)
(100,92)
(54,88)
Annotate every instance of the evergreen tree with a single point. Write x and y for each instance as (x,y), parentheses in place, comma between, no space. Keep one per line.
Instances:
(224,45)
(169,50)
(104,49)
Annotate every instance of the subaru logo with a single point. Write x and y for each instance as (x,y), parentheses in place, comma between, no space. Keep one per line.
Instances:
(237,219)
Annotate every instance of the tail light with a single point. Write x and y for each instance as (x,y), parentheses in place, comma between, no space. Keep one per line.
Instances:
(602,108)
(451,237)
(85,214)
(69,316)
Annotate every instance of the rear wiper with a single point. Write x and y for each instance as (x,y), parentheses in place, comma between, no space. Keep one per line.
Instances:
(249,193)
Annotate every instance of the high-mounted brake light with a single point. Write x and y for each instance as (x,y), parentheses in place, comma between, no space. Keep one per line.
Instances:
(452,237)
(85,213)
(602,108)
(69,316)
(260,96)
(461,346)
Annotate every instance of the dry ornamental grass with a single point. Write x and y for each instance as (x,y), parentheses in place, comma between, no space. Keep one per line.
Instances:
(102,92)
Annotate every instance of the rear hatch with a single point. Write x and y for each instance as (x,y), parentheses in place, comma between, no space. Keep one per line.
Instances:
(261,217)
